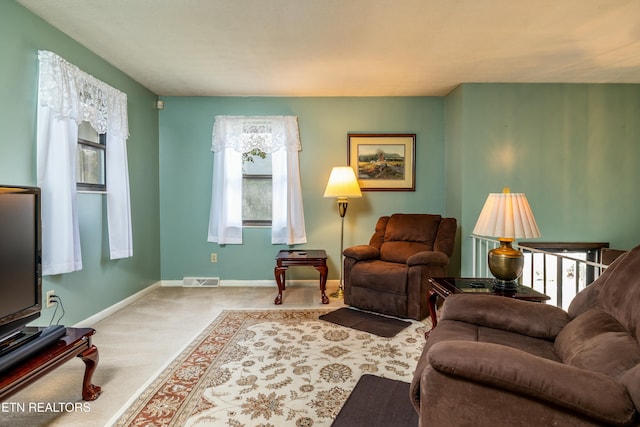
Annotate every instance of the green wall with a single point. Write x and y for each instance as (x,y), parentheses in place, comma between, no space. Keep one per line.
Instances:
(186,169)
(102,282)
(573,149)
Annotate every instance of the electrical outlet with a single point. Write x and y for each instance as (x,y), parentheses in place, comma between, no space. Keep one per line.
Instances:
(50,301)
(214,257)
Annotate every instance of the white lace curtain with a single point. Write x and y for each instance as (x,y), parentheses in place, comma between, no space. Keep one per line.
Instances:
(234,135)
(68,96)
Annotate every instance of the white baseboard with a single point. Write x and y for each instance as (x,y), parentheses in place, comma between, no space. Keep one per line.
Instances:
(88,322)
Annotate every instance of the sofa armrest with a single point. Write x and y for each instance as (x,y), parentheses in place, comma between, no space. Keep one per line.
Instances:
(523,317)
(362,252)
(518,372)
(434,258)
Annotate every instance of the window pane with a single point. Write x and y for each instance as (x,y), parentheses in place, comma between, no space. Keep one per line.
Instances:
(88,133)
(256,188)
(256,195)
(90,163)
(253,164)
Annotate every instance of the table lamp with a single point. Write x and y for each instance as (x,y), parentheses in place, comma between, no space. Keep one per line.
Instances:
(342,185)
(506,216)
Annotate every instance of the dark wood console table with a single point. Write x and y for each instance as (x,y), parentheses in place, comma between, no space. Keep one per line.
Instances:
(291,258)
(76,343)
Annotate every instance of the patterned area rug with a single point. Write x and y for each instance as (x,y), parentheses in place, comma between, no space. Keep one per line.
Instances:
(271,368)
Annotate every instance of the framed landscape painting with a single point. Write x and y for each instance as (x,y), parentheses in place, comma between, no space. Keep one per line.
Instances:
(383,162)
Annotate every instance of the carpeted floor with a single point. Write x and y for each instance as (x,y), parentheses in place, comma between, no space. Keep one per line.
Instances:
(138,342)
(271,368)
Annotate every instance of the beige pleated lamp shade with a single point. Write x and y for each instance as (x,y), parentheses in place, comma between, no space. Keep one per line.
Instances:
(342,183)
(507,215)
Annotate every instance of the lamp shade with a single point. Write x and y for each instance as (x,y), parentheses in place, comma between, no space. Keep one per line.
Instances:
(507,215)
(342,183)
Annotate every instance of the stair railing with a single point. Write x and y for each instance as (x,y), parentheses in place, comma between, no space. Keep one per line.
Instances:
(560,275)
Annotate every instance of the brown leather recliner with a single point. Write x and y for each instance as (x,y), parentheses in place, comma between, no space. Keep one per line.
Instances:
(390,274)
(495,361)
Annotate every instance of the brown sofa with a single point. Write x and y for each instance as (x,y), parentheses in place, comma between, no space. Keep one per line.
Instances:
(390,274)
(495,361)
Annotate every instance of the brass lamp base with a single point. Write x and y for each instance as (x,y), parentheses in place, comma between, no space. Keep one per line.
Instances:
(506,264)
(337,294)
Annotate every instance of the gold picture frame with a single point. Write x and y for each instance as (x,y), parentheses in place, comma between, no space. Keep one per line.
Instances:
(383,162)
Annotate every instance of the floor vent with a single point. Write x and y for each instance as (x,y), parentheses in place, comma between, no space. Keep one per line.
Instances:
(201,282)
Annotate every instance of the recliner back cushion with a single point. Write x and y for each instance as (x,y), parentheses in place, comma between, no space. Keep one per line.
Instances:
(401,251)
(620,294)
(597,342)
(378,236)
(407,234)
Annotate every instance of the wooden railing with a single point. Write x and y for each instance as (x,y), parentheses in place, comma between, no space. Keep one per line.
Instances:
(559,270)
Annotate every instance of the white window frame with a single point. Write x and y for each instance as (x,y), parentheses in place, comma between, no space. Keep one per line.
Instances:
(100,145)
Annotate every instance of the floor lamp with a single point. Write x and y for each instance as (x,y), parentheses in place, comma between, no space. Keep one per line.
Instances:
(342,185)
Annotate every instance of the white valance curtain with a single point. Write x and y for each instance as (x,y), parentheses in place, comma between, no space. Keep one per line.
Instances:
(68,96)
(234,135)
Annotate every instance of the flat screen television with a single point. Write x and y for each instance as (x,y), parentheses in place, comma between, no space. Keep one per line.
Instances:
(20,259)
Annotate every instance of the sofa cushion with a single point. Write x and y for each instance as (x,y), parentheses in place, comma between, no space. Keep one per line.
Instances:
(448,330)
(597,397)
(631,380)
(524,317)
(380,276)
(620,293)
(597,342)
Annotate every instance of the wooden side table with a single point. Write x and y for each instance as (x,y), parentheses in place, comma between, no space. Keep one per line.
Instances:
(445,286)
(76,343)
(293,258)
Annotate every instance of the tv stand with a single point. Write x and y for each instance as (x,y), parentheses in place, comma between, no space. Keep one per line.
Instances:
(76,343)
(17,339)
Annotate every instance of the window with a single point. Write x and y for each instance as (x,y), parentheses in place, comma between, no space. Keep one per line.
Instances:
(68,96)
(263,190)
(91,159)
(257,188)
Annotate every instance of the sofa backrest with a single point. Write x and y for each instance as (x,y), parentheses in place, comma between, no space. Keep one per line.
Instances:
(603,335)
(620,294)
(587,298)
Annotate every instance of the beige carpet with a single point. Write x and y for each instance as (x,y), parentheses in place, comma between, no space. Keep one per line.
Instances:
(271,368)
(137,343)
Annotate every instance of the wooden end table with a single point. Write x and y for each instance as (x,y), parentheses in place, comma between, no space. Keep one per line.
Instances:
(293,258)
(445,286)
(76,343)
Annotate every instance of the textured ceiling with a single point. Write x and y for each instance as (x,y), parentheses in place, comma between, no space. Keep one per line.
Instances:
(353,47)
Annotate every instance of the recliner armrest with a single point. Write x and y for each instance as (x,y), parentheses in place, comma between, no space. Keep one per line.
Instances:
(362,252)
(523,317)
(435,258)
(519,372)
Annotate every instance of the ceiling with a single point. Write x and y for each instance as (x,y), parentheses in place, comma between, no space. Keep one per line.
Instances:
(353,47)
